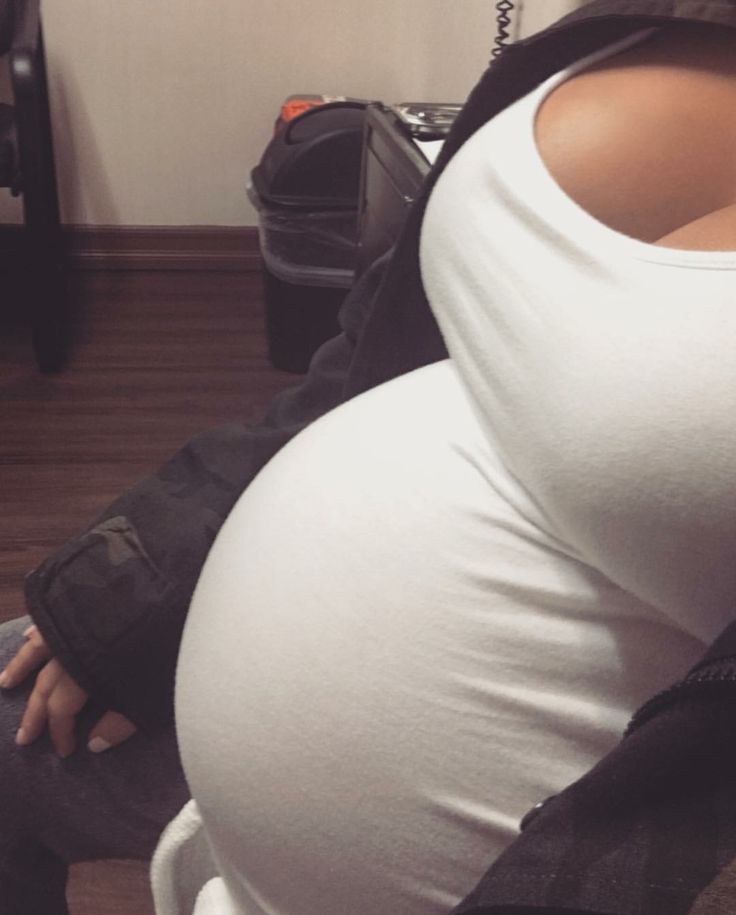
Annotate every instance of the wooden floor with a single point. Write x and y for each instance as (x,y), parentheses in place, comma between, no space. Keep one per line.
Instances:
(158,357)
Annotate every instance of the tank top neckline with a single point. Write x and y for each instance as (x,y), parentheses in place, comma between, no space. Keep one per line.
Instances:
(568,216)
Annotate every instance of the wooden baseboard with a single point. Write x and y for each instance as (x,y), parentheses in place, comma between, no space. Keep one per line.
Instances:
(154,247)
(163,248)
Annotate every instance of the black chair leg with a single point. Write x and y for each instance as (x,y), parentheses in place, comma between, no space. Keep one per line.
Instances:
(47,300)
(48,309)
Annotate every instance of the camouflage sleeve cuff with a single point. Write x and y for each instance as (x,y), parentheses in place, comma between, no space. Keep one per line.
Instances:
(112,619)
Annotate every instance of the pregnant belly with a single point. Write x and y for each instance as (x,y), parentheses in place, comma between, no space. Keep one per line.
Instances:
(386,663)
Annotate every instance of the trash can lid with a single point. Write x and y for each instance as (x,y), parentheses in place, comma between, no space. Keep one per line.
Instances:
(315,160)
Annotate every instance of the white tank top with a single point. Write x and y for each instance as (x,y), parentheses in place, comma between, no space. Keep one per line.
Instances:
(603,368)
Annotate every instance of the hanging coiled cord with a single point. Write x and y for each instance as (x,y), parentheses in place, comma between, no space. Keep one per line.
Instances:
(503,24)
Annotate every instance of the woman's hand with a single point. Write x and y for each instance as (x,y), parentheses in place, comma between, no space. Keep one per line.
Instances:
(56,700)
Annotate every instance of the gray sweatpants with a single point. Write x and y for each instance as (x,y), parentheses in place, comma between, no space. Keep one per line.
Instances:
(55,812)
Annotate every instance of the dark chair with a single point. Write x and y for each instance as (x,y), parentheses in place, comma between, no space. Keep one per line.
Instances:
(27,168)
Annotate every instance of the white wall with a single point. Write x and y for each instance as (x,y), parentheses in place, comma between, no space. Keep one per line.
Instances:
(161,107)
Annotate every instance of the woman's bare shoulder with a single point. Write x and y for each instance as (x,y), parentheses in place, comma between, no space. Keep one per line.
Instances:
(645,141)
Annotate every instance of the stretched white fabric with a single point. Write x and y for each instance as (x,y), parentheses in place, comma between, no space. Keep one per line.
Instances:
(601,367)
(410,629)
(388,661)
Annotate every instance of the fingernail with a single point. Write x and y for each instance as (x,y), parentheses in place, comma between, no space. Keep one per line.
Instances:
(29,630)
(21,738)
(4,679)
(98,745)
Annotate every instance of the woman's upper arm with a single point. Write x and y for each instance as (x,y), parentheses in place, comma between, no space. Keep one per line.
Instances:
(645,141)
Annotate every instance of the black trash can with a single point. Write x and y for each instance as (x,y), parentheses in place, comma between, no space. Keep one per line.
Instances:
(309,266)
(306,189)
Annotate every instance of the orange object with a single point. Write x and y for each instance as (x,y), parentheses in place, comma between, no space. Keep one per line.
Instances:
(293,107)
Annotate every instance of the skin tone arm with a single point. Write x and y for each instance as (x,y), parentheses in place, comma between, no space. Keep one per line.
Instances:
(645,140)
(714,232)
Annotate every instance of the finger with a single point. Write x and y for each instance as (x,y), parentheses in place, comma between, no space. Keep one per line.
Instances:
(61,732)
(36,710)
(29,656)
(33,634)
(112,729)
(64,704)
